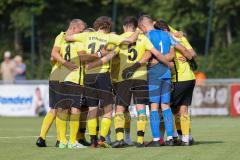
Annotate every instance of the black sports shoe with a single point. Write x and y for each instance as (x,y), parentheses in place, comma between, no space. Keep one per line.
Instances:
(118,144)
(94,144)
(176,141)
(83,142)
(169,142)
(57,144)
(41,142)
(154,144)
(140,145)
(94,141)
(191,141)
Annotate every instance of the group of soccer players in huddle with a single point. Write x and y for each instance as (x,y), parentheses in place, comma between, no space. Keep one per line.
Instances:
(96,72)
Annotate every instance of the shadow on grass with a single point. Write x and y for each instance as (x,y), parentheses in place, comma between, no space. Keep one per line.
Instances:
(207,142)
(146,143)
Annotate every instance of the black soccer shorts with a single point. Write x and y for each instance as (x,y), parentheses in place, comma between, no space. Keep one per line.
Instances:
(98,89)
(54,96)
(182,93)
(74,94)
(125,90)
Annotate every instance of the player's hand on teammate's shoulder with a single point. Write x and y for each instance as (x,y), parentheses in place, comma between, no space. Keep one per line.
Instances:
(70,65)
(179,34)
(69,38)
(139,31)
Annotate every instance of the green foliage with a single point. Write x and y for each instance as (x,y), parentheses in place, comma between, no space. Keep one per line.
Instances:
(224,62)
(190,16)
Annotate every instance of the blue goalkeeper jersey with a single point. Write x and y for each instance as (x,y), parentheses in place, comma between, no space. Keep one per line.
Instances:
(162,41)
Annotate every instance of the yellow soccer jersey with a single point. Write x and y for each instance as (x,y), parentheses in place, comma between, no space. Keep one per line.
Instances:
(182,70)
(94,41)
(69,51)
(133,53)
(55,74)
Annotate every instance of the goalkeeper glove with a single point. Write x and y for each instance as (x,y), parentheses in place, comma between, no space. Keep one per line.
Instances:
(193,64)
(128,72)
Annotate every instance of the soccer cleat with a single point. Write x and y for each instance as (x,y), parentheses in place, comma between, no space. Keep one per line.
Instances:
(41,142)
(140,145)
(176,141)
(154,144)
(62,145)
(169,142)
(108,139)
(161,141)
(103,144)
(75,146)
(84,142)
(118,144)
(128,141)
(185,144)
(191,141)
(94,144)
(57,144)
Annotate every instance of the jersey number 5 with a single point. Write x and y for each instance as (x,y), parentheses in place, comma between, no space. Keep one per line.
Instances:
(132,52)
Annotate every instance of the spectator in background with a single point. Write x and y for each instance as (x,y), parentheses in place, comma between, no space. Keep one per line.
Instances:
(7,68)
(20,68)
(39,104)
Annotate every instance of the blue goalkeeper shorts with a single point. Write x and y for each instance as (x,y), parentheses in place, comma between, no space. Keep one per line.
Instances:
(159,86)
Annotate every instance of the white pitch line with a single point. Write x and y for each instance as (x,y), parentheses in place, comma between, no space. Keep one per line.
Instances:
(17,137)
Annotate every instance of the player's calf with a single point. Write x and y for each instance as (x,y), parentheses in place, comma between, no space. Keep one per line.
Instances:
(185,124)
(141,125)
(105,126)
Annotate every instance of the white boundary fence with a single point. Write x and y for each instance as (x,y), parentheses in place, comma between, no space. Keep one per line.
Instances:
(217,97)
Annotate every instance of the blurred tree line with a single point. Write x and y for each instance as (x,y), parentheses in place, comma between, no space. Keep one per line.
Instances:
(190,16)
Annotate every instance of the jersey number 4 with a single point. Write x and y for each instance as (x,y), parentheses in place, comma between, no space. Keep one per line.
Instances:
(92,46)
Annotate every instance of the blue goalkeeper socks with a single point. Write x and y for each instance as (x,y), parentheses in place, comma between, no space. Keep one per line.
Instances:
(155,122)
(168,121)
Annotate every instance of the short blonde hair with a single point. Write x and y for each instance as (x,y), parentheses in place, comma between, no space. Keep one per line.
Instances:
(78,23)
(18,58)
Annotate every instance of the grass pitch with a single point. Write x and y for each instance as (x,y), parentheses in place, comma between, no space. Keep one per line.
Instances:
(217,138)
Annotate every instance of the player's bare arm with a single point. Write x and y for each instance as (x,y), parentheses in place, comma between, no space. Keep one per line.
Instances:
(56,55)
(192,51)
(146,57)
(52,60)
(69,38)
(87,58)
(101,61)
(170,56)
(132,38)
(178,34)
(185,52)
(160,56)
